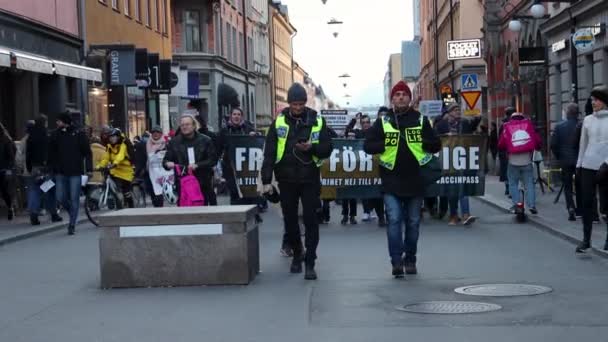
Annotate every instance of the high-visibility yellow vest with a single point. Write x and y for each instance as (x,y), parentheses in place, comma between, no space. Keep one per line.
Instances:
(282,129)
(391,144)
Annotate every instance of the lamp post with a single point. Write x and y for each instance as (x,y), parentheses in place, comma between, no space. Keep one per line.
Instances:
(336,25)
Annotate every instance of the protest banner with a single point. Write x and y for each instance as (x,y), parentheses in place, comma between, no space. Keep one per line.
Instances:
(245,154)
(463,159)
(350,172)
(158,174)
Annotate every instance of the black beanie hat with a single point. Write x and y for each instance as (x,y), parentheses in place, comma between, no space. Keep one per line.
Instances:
(66,118)
(296,93)
(601,93)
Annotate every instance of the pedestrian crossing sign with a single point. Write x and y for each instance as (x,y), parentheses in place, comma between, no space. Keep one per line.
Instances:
(469,82)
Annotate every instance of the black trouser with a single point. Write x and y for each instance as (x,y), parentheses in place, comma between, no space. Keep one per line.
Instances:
(588,188)
(126,190)
(567,181)
(324,213)
(349,207)
(291,193)
(157,200)
(6,189)
(376,204)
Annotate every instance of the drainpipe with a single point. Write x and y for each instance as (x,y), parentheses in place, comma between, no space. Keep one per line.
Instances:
(246,60)
(435,18)
(82,28)
(452,38)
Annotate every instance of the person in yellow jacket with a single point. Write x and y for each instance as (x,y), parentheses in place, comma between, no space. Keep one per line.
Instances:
(121,168)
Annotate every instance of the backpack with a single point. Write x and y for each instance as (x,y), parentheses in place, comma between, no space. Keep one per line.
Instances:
(190,194)
(520,136)
(130,149)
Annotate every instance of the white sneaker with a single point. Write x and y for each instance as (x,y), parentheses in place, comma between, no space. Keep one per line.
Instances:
(373,216)
(365,217)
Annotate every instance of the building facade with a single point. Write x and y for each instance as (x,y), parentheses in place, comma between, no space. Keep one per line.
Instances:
(393,75)
(215,40)
(443,21)
(41,55)
(592,65)
(261,62)
(115,28)
(281,36)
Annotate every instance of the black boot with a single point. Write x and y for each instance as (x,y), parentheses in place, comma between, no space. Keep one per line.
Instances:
(571,214)
(71,230)
(398,270)
(583,247)
(296,265)
(309,273)
(34,220)
(410,267)
(344,219)
(56,218)
(11,213)
(258,218)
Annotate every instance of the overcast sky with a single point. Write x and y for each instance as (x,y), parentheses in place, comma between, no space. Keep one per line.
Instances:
(372,30)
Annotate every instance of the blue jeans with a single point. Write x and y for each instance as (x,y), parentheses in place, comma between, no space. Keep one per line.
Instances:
(526,175)
(68,194)
(464,205)
(400,210)
(35,196)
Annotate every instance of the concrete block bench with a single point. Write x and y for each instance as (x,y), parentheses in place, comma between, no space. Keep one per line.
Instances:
(179,246)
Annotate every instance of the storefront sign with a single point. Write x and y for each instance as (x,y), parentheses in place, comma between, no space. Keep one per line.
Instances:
(335,118)
(583,40)
(464,49)
(532,56)
(164,77)
(121,67)
(559,45)
(431,108)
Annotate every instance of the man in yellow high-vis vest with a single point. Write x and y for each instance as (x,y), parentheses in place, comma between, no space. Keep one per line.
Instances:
(405,140)
(296,144)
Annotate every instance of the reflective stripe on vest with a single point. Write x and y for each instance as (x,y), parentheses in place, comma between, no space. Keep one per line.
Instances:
(282,129)
(391,144)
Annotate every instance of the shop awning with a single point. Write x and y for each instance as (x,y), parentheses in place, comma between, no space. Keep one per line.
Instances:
(43,65)
(5,58)
(77,71)
(29,62)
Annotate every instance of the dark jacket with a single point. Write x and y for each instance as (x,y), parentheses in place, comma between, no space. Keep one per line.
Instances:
(463,126)
(404,180)
(69,152)
(204,154)
(140,161)
(291,169)
(37,148)
(564,144)
(7,153)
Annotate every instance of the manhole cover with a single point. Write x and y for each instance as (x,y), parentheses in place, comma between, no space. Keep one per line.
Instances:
(449,307)
(503,290)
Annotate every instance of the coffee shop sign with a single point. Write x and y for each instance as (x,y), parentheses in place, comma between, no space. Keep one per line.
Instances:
(464,49)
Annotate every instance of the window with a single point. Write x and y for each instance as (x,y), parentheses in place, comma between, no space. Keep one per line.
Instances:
(127,6)
(192,30)
(115,4)
(147,12)
(228,44)
(137,11)
(241,50)
(165,17)
(157,3)
(234,42)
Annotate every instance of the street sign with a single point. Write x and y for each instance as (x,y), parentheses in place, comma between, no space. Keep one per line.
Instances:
(472,105)
(446,89)
(431,108)
(583,40)
(469,82)
(335,118)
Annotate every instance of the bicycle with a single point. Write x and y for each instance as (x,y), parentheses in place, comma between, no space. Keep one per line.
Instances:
(106,196)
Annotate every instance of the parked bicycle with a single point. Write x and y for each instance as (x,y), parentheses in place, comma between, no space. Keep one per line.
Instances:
(106,196)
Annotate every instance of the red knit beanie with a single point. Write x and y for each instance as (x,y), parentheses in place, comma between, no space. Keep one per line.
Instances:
(401,86)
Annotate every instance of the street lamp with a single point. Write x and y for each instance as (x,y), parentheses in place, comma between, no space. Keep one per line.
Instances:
(335,24)
(324,1)
(515,25)
(537,10)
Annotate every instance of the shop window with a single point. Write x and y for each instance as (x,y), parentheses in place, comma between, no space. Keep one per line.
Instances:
(192,31)
(71,86)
